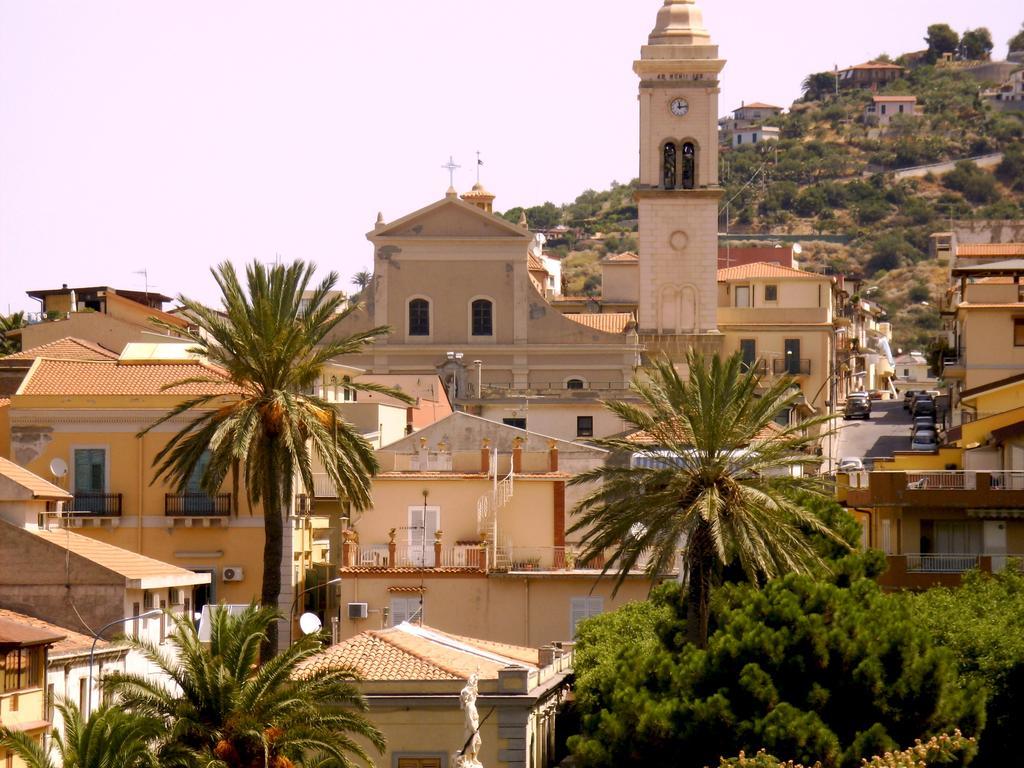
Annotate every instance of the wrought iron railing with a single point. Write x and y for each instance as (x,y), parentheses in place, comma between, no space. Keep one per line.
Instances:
(791,367)
(95,504)
(197,505)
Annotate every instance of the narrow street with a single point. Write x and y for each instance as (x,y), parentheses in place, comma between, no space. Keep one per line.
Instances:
(887,431)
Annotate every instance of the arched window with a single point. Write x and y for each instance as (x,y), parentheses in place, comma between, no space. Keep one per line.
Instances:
(575,384)
(668,166)
(689,165)
(482,318)
(419,317)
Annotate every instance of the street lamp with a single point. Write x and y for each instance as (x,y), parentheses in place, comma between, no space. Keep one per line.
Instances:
(291,612)
(96,638)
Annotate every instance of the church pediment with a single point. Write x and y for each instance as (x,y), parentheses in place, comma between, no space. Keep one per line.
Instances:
(450,218)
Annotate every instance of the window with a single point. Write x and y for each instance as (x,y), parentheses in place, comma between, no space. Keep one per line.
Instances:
(689,165)
(906,373)
(90,470)
(483,318)
(419,762)
(424,523)
(771,293)
(792,347)
(195,480)
(575,384)
(783,416)
(742,295)
(83,693)
(1018,333)
(748,348)
(406,609)
(21,668)
(583,608)
(668,166)
(753,138)
(584,426)
(883,109)
(901,109)
(739,138)
(419,317)
(514,422)
(136,622)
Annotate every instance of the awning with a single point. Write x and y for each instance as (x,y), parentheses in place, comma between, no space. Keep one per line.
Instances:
(1010,513)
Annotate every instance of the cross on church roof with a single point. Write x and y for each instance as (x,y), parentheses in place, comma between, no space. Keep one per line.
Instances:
(451,167)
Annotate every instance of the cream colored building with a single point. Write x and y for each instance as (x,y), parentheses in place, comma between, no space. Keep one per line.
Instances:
(412,677)
(468,532)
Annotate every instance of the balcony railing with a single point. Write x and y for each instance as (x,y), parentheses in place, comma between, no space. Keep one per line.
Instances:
(93,504)
(197,505)
(793,367)
(941,563)
(469,556)
(942,481)
(1012,480)
(760,367)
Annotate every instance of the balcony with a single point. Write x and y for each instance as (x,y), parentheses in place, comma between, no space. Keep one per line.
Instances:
(470,557)
(995,489)
(954,368)
(925,570)
(94,504)
(793,367)
(760,367)
(197,505)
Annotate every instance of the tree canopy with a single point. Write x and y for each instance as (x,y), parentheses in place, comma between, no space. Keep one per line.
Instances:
(976,44)
(941,38)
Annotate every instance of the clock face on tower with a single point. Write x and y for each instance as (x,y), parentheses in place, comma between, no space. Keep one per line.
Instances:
(679,107)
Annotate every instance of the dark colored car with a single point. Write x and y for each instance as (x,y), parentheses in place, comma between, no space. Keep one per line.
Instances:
(923,423)
(923,406)
(857,408)
(908,397)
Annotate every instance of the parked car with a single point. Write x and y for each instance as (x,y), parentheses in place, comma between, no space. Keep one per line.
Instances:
(908,397)
(851,464)
(923,406)
(924,441)
(857,408)
(923,423)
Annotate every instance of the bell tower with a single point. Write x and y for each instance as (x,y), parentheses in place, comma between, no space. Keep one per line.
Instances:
(679,194)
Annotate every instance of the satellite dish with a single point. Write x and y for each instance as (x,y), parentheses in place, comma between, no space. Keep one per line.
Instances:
(797,248)
(58,468)
(310,623)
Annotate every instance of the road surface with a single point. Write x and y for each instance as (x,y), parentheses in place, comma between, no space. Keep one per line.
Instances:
(887,431)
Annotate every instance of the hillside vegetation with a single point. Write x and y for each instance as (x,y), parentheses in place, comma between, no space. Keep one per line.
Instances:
(832,174)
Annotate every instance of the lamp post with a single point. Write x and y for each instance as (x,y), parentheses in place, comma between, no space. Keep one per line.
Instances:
(92,651)
(291,612)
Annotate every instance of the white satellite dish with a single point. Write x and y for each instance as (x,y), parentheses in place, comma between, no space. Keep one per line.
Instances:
(797,248)
(58,467)
(310,623)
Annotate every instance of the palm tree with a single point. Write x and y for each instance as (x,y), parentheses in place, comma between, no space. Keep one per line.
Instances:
(10,322)
(362,279)
(108,738)
(228,711)
(709,486)
(272,344)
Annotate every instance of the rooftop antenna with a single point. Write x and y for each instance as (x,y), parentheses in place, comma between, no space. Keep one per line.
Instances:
(145,277)
(479,163)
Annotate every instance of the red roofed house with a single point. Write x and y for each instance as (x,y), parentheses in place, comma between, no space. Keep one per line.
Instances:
(871,75)
(23,705)
(415,679)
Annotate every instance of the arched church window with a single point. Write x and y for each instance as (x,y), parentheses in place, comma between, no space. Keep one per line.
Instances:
(689,165)
(668,166)
(419,317)
(482,317)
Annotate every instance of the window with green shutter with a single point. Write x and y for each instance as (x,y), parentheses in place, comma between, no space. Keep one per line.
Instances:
(90,470)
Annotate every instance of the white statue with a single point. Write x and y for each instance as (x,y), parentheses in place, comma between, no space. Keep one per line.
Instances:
(537,246)
(470,756)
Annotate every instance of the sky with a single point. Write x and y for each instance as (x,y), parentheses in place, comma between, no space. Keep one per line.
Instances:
(170,136)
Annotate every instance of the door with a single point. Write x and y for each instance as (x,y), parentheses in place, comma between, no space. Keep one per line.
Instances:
(424,522)
(792,356)
(994,536)
(748,348)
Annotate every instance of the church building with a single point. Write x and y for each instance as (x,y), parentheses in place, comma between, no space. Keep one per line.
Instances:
(458,284)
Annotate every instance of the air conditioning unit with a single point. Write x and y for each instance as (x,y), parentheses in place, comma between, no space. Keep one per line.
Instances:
(233,573)
(358,610)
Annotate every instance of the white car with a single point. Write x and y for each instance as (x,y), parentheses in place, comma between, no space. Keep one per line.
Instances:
(851,464)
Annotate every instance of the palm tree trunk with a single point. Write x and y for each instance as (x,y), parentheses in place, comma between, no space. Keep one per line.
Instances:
(700,573)
(273,547)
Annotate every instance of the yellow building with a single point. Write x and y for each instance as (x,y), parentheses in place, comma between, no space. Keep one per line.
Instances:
(23,658)
(414,678)
(468,532)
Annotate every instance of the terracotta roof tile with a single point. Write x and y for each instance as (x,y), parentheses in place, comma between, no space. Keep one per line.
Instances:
(75,377)
(140,571)
(73,642)
(409,652)
(894,99)
(764,269)
(534,264)
(612,322)
(628,257)
(13,632)
(35,485)
(757,105)
(990,250)
(873,65)
(68,348)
